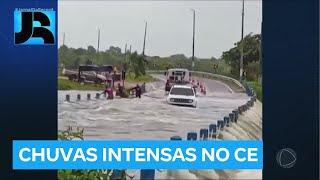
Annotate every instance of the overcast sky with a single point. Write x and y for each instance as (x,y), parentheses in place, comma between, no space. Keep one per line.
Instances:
(218,25)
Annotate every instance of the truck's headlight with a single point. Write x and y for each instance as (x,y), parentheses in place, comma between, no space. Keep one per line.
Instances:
(190,100)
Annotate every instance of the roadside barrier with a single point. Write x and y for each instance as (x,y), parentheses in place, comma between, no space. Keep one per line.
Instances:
(204,133)
(236,115)
(68,97)
(212,131)
(226,120)
(192,136)
(240,109)
(208,75)
(116,174)
(147,174)
(220,124)
(175,138)
(232,117)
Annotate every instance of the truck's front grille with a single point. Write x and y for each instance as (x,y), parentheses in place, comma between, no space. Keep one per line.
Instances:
(180,100)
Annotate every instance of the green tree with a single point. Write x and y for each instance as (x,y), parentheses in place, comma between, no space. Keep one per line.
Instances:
(251,53)
(91,50)
(137,64)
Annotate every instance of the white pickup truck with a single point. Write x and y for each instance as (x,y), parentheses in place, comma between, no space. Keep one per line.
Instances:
(182,95)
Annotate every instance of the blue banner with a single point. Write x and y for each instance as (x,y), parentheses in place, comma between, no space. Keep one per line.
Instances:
(148,154)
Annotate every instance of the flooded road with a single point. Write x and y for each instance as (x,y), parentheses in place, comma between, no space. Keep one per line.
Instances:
(152,118)
(147,118)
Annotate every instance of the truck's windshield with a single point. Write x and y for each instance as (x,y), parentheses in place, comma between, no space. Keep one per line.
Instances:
(182,91)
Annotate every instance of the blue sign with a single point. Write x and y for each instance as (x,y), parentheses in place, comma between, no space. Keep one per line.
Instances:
(137,154)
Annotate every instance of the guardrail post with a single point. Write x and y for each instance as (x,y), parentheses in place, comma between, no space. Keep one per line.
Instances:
(226,120)
(148,174)
(252,101)
(248,105)
(204,133)
(232,117)
(236,115)
(242,109)
(251,91)
(175,138)
(68,97)
(88,96)
(212,131)
(245,107)
(97,96)
(116,174)
(220,124)
(192,136)
(78,97)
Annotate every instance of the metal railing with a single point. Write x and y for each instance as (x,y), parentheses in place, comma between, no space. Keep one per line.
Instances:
(206,75)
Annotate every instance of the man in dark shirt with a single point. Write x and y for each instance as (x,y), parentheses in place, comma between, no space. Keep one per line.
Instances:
(138,90)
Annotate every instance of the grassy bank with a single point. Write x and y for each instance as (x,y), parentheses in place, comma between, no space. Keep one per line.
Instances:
(144,78)
(64,174)
(65,84)
(257,88)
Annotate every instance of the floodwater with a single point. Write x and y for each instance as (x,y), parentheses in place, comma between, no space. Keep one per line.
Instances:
(152,118)
(147,118)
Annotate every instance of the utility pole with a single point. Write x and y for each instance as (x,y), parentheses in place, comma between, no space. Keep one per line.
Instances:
(241,42)
(144,39)
(130,50)
(125,53)
(98,40)
(193,34)
(64,37)
(123,71)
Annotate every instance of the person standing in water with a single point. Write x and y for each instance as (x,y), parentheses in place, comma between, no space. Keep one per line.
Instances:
(143,88)
(138,90)
(108,91)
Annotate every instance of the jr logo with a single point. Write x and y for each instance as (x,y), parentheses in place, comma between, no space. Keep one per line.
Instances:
(34,27)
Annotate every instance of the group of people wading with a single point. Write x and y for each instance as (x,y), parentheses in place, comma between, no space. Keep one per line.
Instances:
(138,90)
